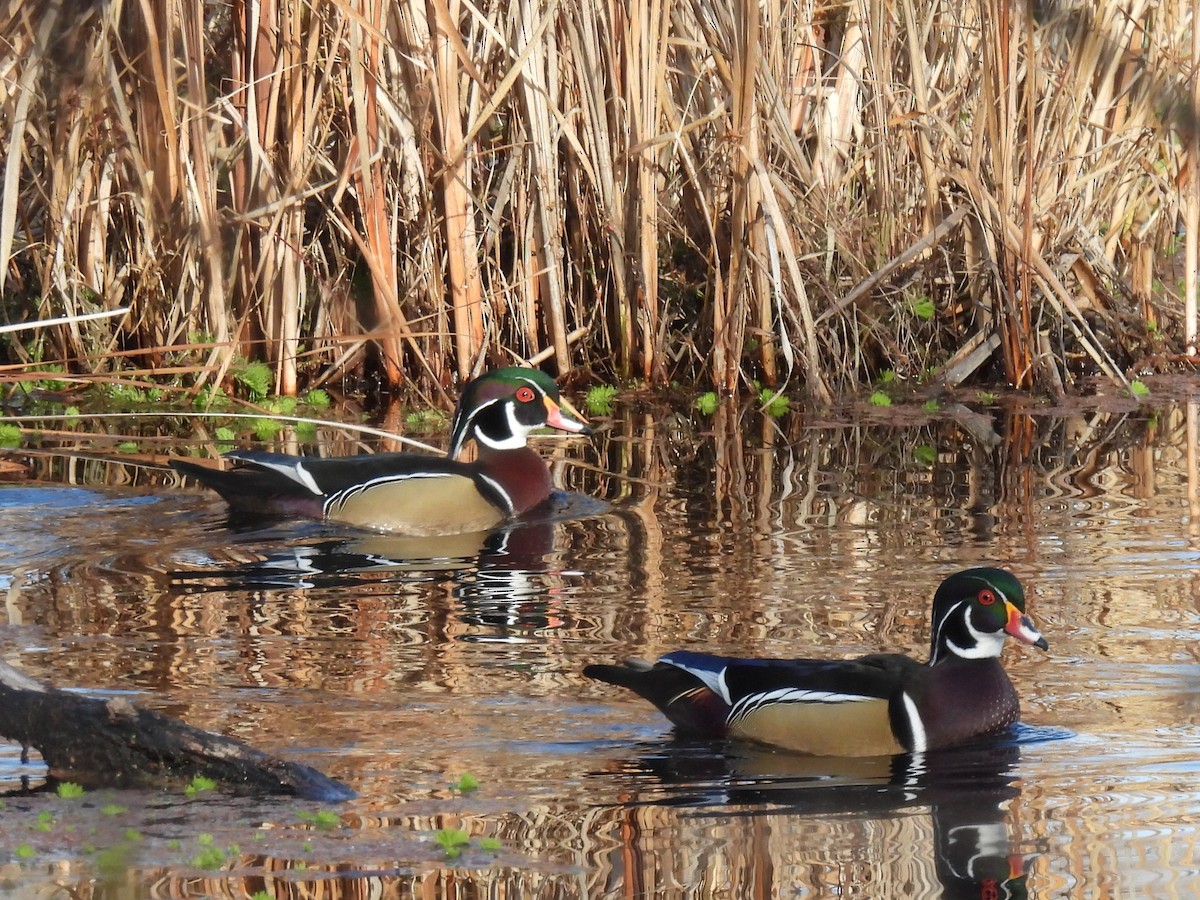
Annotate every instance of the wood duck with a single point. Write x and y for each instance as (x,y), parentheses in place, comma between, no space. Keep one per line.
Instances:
(876,705)
(412,493)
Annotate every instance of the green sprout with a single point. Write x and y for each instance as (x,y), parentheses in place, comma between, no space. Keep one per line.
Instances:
(256,377)
(922,308)
(69,790)
(323,819)
(774,405)
(209,858)
(707,403)
(599,399)
(199,785)
(211,397)
(1138,388)
(47,384)
(925,455)
(467,783)
(267,429)
(425,420)
(128,395)
(10,435)
(932,406)
(318,399)
(281,406)
(452,841)
(880,398)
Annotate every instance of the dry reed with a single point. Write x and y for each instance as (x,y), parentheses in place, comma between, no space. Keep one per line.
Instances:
(804,192)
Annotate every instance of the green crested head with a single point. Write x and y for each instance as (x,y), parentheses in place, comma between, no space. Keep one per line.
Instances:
(974,610)
(500,408)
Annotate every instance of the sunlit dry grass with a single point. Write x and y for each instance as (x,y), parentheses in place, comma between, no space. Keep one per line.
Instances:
(806,193)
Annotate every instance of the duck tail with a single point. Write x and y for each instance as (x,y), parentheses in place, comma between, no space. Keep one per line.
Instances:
(695,710)
(254,489)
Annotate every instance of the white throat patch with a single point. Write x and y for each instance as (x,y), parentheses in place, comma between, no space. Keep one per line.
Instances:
(517,430)
(988,644)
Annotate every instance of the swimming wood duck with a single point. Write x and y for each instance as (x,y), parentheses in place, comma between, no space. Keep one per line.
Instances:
(413,493)
(879,704)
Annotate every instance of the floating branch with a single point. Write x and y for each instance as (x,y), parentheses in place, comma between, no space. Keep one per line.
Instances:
(113,742)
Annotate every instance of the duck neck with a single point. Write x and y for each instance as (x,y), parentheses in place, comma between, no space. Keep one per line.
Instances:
(520,472)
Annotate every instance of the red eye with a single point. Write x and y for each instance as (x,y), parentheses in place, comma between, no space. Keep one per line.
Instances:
(986,597)
(525,394)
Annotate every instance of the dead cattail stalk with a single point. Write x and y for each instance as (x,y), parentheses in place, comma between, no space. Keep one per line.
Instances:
(455,182)
(1192,227)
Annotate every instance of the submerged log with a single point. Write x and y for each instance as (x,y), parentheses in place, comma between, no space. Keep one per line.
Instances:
(112,742)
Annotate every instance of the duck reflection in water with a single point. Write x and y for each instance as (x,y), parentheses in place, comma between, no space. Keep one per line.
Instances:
(503,580)
(969,793)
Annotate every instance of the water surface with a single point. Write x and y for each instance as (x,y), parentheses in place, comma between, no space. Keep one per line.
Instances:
(398,666)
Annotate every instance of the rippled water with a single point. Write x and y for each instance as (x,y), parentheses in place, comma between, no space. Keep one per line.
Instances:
(398,666)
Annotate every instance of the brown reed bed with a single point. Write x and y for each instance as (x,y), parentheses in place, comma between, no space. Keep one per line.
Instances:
(807,193)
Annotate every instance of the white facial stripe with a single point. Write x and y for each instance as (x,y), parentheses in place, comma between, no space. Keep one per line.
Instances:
(915,726)
(937,630)
(485,404)
(471,428)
